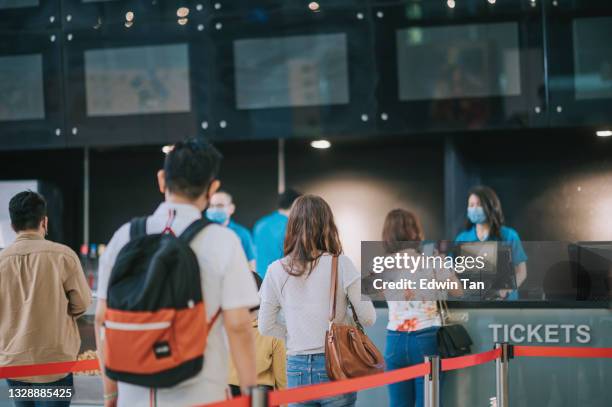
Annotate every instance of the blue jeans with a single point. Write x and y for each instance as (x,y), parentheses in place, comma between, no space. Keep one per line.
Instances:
(304,370)
(405,349)
(65,382)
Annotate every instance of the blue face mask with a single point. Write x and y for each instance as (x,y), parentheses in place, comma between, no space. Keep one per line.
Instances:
(216,215)
(476,215)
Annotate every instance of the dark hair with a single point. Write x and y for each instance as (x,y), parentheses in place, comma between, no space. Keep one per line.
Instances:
(492,208)
(402,230)
(286,199)
(311,231)
(27,209)
(190,167)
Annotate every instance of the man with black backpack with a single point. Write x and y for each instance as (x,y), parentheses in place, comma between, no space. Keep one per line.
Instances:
(168,285)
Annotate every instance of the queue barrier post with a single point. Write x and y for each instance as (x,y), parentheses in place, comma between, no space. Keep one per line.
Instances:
(259,396)
(501,374)
(432,382)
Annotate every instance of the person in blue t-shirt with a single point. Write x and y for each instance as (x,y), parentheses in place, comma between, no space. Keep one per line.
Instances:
(485,221)
(220,210)
(269,232)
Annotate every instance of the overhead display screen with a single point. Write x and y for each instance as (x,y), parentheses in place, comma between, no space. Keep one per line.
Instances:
(6,4)
(461,61)
(137,80)
(21,87)
(593,58)
(304,70)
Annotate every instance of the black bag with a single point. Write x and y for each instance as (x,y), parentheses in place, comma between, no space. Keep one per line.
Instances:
(453,339)
(155,324)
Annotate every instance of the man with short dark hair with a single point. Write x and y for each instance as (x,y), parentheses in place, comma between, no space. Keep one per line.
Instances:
(269,232)
(44,290)
(188,180)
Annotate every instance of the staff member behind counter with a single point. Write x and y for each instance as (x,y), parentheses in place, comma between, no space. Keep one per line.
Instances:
(485,222)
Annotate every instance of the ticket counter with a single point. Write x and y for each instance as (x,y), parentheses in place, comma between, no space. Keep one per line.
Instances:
(533,381)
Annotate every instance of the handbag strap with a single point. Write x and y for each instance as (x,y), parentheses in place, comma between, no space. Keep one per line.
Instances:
(444,313)
(332,296)
(333,289)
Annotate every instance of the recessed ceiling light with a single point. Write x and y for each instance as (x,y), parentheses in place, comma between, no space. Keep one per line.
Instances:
(182,12)
(603,133)
(320,144)
(450,3)
(313,6)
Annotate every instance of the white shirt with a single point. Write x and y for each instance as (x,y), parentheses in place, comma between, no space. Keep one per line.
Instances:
(227,283)
(304,301)
(420,312)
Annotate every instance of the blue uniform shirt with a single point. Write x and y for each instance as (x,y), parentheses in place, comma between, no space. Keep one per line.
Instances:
(269,236)
(245,238)
(509,237)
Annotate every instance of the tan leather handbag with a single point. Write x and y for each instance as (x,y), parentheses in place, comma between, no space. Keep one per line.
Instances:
(348,350)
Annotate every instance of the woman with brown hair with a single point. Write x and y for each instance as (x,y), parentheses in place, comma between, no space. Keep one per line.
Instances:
(413,323)
(299,285)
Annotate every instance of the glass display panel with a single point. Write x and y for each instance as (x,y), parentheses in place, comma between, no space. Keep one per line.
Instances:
(7,4)
(21,87)
(461,61)
(592,58)
(137,80)
(303,70)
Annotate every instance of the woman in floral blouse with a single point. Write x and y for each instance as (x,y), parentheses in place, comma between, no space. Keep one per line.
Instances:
(413,322)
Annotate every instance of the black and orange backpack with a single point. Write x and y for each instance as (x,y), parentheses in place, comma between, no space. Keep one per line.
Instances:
(155,326)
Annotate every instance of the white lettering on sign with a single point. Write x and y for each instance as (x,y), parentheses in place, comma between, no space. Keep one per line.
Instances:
(541,333)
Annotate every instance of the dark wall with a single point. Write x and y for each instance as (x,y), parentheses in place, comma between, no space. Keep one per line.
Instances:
(124,183)
(553,185)
(250,173)
(363,180)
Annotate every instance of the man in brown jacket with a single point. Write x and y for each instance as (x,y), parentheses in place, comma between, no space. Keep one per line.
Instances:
(43,292)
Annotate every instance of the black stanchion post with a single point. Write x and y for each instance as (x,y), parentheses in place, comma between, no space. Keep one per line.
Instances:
(432,382)
(259,396)
(501,374)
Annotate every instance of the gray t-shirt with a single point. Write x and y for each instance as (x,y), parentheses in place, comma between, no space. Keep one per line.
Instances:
(304,302)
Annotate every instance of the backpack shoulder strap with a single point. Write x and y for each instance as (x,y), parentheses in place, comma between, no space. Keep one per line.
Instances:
(138,227)
(193,229)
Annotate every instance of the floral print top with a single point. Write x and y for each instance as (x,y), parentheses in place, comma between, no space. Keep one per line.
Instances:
(409,316)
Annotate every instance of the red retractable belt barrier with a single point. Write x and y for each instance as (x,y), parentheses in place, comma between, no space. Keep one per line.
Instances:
(48,368)
(562,352)
(318,391)
(324,390)
(462,362)
(243,401)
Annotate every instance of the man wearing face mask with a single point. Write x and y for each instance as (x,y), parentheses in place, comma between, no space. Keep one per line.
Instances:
(485,222)
(220,211)
(44,291)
